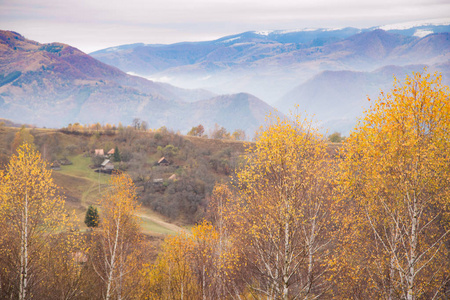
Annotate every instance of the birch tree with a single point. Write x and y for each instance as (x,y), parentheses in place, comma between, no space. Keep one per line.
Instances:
(116,249)
(396,179)
(172,276)
(227,264)
(280,218)
(31,213)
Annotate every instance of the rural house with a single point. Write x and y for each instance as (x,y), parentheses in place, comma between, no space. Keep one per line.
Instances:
(107,166)
(99,152)
(163,162)
(55,166)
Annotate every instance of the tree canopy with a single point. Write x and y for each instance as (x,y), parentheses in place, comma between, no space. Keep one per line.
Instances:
(395,182)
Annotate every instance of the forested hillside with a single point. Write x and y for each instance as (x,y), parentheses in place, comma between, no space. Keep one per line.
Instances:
(178,189)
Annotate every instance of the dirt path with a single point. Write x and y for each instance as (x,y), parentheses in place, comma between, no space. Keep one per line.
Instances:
(162,223)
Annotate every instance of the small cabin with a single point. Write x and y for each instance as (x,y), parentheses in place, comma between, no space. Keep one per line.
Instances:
(163,162)
(158,181)
(99,152)
(107,166)
(55,166)
(111,152)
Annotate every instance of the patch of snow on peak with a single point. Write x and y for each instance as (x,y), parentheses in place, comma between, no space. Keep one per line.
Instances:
(264,32)
(288,31)
(112,49)
(334,29)
(309,29)
(408,25)
(230,40)
(421,33)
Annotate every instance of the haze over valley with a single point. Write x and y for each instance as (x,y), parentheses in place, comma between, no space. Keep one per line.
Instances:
(233,81)
(328,72)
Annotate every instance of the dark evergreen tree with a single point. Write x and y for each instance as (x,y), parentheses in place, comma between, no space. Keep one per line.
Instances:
(116,155)
(92,217)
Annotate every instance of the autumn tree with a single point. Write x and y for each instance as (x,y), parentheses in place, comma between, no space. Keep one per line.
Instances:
(279,220)
(197,130)
(21,137)
(168,151)
(219,133)
(215,262)
(239,135)
(336,137)
(395,182)
(32,219)
(193,266)
(116,247)
(229,264)
(65,265)
(172,276)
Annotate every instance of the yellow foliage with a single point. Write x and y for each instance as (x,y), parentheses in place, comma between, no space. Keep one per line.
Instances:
(21,137)
(117,245)
(281,209)
(395,183)
(34,244)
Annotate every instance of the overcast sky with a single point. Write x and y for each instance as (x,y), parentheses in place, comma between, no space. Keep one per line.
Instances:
(96,24)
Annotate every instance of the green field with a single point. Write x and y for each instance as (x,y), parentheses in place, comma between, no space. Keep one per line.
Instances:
(83,187)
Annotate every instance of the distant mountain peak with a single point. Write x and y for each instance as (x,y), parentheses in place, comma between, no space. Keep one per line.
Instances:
(420,23)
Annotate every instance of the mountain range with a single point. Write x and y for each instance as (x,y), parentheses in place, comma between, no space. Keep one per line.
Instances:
(284,67)
(55,84)
(329,73)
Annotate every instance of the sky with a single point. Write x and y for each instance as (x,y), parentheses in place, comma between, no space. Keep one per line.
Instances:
(92,25)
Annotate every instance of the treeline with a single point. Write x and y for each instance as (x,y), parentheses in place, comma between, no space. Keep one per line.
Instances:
(218,132)
(370,223)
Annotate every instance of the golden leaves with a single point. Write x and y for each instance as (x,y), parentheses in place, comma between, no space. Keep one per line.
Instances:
(395,179)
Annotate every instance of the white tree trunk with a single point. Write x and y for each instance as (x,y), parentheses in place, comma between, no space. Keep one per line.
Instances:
(287,252)
(24,252)
(203,283)
(112,262)
(413,255)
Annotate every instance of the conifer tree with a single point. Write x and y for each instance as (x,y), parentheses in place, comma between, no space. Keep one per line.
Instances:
(116,155)
(91,218)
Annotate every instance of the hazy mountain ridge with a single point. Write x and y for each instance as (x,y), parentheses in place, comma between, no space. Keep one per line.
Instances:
(338,98)
(55,84)
(269,64)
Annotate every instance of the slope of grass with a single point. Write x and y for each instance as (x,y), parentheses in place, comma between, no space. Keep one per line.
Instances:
(83,186)
(148,226)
